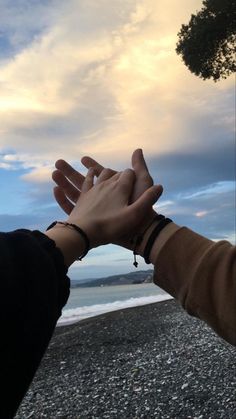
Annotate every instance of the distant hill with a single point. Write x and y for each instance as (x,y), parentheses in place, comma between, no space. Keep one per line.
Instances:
(138,277)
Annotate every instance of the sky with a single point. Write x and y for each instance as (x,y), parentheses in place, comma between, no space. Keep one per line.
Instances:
(102,78)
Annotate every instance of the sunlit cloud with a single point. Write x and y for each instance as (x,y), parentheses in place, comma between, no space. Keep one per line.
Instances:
(108,84)
(40,175)
(201,213)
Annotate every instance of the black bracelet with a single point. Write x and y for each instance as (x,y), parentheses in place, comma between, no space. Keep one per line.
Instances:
(79,230)
(163,223)
(138,239)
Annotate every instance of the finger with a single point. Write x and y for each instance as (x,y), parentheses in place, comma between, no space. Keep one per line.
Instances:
(88,181)
(105,175)
(62,200)
(69,190)
(126,181)
(89,162)
(73,175)
(116,176)
(140,167)
(145,202)
(138,160)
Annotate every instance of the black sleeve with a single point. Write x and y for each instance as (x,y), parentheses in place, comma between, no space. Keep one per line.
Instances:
(33,289)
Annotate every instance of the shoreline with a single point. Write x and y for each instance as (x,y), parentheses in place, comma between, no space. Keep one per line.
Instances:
(151,361)
(123,305)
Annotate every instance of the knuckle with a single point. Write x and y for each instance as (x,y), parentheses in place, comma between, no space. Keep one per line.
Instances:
(128,175)
(106,172)
(146,178)
(130,172)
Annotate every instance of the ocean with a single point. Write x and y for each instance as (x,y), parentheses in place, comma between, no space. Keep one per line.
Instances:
(92,301)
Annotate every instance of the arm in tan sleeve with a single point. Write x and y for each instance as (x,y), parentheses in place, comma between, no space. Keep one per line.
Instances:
(201,274)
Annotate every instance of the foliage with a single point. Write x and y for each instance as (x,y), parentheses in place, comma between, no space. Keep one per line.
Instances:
(208,43)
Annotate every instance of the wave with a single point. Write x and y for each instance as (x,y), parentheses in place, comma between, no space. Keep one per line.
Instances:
(76,314)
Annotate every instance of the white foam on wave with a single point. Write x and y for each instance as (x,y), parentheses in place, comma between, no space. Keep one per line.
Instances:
(76,314)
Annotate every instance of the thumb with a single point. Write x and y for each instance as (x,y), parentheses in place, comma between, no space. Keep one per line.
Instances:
(143,204)
(138,161)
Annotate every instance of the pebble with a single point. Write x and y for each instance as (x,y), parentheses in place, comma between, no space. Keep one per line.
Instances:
(148,362)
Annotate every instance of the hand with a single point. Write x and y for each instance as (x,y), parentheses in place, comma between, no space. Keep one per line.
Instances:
(70,182)
(103,210)
(143,178)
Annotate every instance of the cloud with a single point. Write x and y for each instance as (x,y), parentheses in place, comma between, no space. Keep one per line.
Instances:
(105,86)
(40,175)
(5,166)
(191,170)
(212,190)
(210,211)
(201,213)
(23,21)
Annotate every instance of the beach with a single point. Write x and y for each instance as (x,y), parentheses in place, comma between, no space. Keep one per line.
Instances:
(152,361)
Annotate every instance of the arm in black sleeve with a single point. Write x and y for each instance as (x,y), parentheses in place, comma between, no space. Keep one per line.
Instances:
(33,289)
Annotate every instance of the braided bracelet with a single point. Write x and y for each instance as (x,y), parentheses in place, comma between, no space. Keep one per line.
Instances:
(138,240)
(164,222)
(79,230)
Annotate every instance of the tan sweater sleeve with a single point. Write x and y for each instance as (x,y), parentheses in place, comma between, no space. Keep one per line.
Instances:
(201,274)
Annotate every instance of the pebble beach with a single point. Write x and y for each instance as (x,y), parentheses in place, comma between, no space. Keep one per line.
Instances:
(153,361)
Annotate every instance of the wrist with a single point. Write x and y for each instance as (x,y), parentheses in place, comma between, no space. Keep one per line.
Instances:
(130,243)
(157,232)
(161,241)
(91,230)
(67,239)
(141,246)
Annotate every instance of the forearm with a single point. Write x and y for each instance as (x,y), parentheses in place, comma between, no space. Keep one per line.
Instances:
(34,288)
(200,273)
